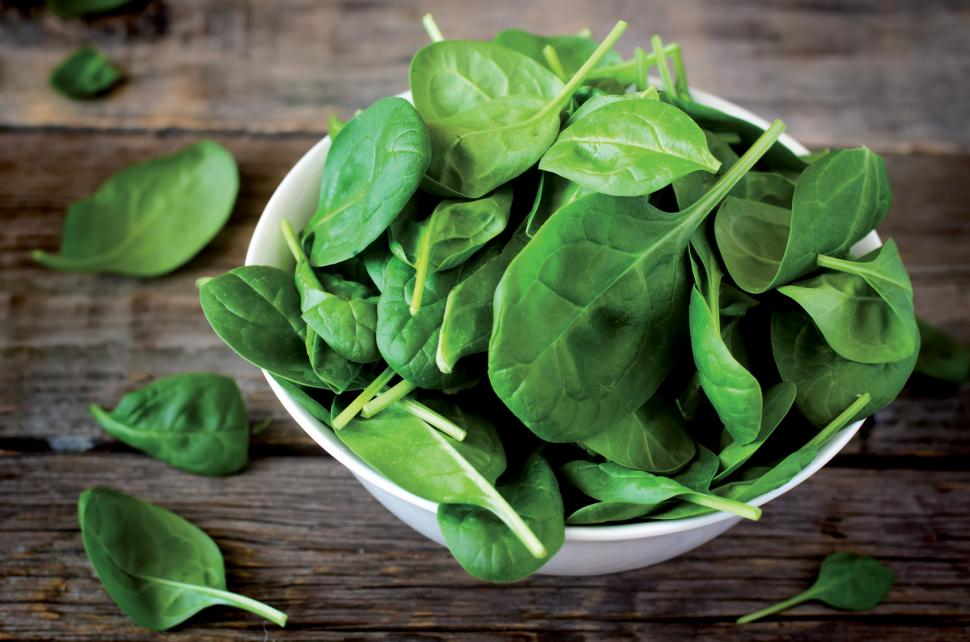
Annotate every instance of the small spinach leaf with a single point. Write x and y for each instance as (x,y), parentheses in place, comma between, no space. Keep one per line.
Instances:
(941,356)
(777,402)
(86,73)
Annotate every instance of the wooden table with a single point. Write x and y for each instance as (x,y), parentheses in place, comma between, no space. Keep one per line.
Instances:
(296,529)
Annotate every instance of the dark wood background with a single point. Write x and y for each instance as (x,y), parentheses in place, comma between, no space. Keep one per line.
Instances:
(296,529)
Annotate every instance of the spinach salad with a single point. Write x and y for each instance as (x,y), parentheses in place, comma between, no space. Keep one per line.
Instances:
(551,292)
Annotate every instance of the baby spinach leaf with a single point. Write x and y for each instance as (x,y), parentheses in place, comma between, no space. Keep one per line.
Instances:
(79,8)
(195,421)
(374,166)
(777,402)
(491,112)
(86,73)
(845,581)
(826,382)
(605,512)
(606,272)
(554,193)
(571,50)
(700,473)
(255,310)
(766,187)
(838,199)
(652,438)
(453,232)
(151,217)
(308,398)
(158,568)
(431,465)
(486,547)
(863,308)
(466,325)
(941,356)
(334,372)
(629,148)
(614,483)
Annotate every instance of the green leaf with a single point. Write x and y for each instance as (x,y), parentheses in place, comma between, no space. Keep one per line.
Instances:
(334,372)
(151,217)
(941,356)
(158,568)
(863,308)
(486,548)
(606,272)
(79,8)
(839,199)
(826,382)
(255,310)
(373,168)
(554,193)
(845,581)
(652,438)
(605,512)
(777,402)
(572,50)
(196,422)
(86,73)
(309,399)
(629,148)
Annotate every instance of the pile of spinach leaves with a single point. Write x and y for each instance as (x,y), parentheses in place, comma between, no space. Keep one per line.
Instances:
(548,292)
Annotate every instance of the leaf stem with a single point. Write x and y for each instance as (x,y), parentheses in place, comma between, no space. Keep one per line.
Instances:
(433,419)
(724,504)
(397,392)
(833,263)
(290,237)
(683,89)
(643,66)
(658,51)
(355,406)
(431,28)
(840,421)
(775,608)
(580,75)
(226,597)
(611,70)
(552,59)
(421,261)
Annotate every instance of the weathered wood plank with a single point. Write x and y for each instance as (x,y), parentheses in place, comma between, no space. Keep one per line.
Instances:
(303,536)
(68,340)
(282,66)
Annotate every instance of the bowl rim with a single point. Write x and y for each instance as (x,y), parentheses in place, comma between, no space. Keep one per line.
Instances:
(267,232)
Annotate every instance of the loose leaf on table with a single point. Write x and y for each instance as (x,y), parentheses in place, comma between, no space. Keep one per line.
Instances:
(838,199)
(466,325)
(607,277)
(652,438)
(571,50)
(151,217)
(777,402)
(941,356)
(158,568)
(433,466)
(845,581)
(826,383)
(80,8)
(255,310)
(373,168)
(486,547)
(195,421)
(629,147)
(614,483)
(491,111)
(863,308)
(86,73)
(449,236)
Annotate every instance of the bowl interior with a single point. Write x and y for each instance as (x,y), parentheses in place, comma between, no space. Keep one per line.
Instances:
(295,200)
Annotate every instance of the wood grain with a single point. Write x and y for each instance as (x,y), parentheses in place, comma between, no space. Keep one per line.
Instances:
(890,74)
(299,533)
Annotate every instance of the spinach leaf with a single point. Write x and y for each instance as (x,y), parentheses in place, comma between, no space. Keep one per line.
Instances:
(605,512)
(491,112)
(777,402)
(863,308)
(158,568)
(431,465)
(766,187)
(629,147)
(308,398)
(652,438)
(614,483)
(79,8)
(554,193)
(334,372)
(571,50)
(195,421)
(374,166)
(838,199)
(941,356)
(826,382)
(86,73)
(151,217)
(845,581)
(453,232)
(255,310)
(606,272)
(486,547)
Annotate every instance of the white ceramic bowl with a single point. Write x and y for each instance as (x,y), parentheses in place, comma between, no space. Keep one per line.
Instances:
(589,550)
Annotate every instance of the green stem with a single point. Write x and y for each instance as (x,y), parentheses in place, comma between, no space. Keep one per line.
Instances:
(683,88)
(695,214)
(723,504)
(433,419)
(552,59)
(840,421)
(397,392)
(431,28)
(226,597)
(421,262)
(775,608)
(658,51)
(290,236)
(355,406)
(833,263)
(611,71)
(580,75)
(504,511)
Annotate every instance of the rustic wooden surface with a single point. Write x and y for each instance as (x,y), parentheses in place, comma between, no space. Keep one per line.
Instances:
(296,529)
